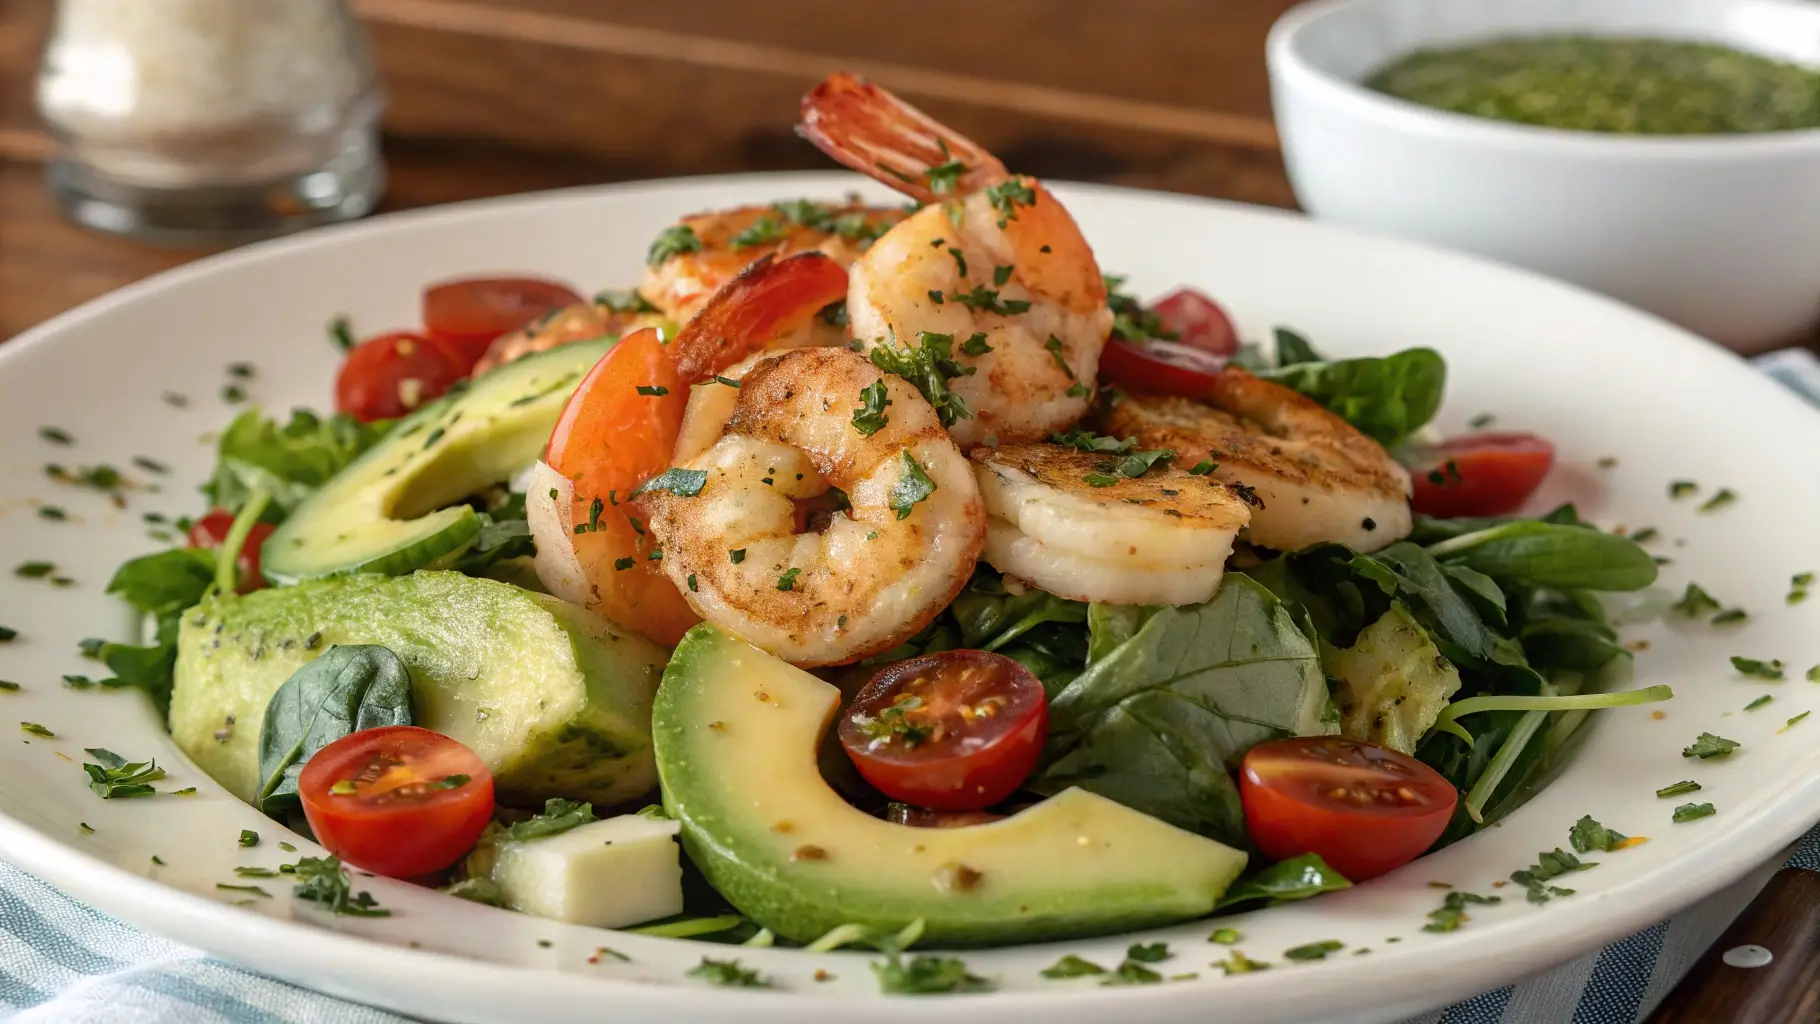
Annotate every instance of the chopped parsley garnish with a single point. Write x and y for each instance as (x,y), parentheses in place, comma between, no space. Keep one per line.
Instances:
(1683,489)
(8,635)
(1452,911)
(1730,617)
(764,231)
(1071,966)
(1130,320)
(1759,702)
(1797,587)
(1678,789)
(175,400)
(926,975)
(451,782)
(242,371)
(1771,670)
(9,686)
(56,435)
(232,393)
(1587,835)
(1481,421)
(1791,722)
(929,366)
(738,555)
(1239,963)
(1313,950)
(684,483)
(986,300)
(185,791)
(323,880)
(1094,443)
(1100,479)
(673,241)
(1203,467)
(1645,535)
(893,723)
(1693,812)
(341,332)
(692,587)
(1725,496)
(53,513)
(913,487)
(1001,274)
(729,973)
(1148,953)
(1224,936)
(628,300)
(116,778)
(653,391)
(870,417)
(1548,866)
(248,837)
(975,345)
(1133,972)
(834,314)
(254,889)
(34,570)
(960,260)
(1054,346)
(943,177)
(1709,746)
(622,564)
(788,580)
(34,729)
(1007,196)
(1696,602)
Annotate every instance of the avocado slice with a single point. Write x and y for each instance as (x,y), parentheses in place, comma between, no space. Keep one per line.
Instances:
(552,697)
(736,732)
(385,511)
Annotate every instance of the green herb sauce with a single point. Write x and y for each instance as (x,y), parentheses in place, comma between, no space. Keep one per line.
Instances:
(1625,86)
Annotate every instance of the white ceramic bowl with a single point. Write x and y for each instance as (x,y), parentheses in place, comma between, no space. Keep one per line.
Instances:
(1718,233)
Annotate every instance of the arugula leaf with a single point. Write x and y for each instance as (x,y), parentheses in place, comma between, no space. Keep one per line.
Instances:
(1297,878)
(1587,835)
(1540,554)
(348,689)
(1387,398)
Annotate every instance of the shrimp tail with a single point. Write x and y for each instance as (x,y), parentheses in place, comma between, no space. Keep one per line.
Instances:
(770,298)
(872,131)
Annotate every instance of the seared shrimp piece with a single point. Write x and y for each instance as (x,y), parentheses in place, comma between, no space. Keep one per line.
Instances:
(1308,474)
(701,254)
(620,429)
(995,268)
(880,570)
(607,315)
(1067,521)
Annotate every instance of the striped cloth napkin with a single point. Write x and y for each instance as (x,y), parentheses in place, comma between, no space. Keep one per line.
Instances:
(63,962)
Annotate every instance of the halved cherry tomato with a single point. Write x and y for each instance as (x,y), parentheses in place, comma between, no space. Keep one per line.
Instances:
(955,731)
(610,438)
(1363,808)
(388,375)
(471,312)
(211,532)
(1160,367)
(1197,321)
(398,801)
(1484,474)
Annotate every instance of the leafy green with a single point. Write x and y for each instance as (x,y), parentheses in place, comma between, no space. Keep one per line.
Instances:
(1159,720)
(347,690)
(912,487)
(1452,912)
(1548,866)
(928,365)
(1314,950)
(323,880)
(1131,320)
(1392,683)
(1696,602)
(1708,746)
(116,778)
(1539,554)
(989,617)
(1758,669)
(1293,348)
(1071,966)
(1297,878)
(927,975)
(672,241)
(1678,789)
(869,418)
(505,533)
(1387,398)
(166,582)
(288,462)
(1693,812)
(728,973)
(558,816)
(1587,835)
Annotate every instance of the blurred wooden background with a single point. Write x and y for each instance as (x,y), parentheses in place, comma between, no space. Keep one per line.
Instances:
(490,97)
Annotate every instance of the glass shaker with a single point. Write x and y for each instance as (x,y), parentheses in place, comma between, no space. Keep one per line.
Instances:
(206,122)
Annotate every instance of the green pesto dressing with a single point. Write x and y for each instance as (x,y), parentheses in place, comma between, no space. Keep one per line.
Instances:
(1625,86)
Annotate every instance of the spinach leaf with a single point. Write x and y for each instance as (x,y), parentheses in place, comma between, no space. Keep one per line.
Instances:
(287,461)
(1387,398)
(1543,554)
(1428,530)
(346,690)
(989,621)
(505,533)
(1431,594)
(1297,878)
(168,581)
(1159,721)
(1292,348)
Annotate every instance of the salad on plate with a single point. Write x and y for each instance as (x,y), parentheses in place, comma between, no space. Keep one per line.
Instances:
(878,576)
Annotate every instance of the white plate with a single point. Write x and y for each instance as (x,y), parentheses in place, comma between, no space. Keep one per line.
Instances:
(1599,379)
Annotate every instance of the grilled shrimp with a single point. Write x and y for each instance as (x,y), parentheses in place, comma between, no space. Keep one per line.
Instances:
(621,428)
(1068,522)
(995,268)
(1308,474)
(883,567)
(700,254)
(583,321)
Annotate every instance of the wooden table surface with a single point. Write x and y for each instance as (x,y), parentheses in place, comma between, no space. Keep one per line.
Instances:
(491,97)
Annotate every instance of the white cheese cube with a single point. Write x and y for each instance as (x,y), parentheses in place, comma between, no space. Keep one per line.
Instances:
(610,874)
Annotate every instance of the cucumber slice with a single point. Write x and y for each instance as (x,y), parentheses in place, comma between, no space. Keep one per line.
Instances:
(390,511)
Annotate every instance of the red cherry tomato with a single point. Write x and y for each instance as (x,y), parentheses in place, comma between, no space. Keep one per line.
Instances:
(211,532)
(955,731)
(388,375)
(1484,474)
(1197,321)
(398,801)
(1364,809)
(470,313)
(1160,367)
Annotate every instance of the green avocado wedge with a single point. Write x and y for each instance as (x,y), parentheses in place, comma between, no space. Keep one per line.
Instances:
(736,732)
(554,699)
(394,508)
